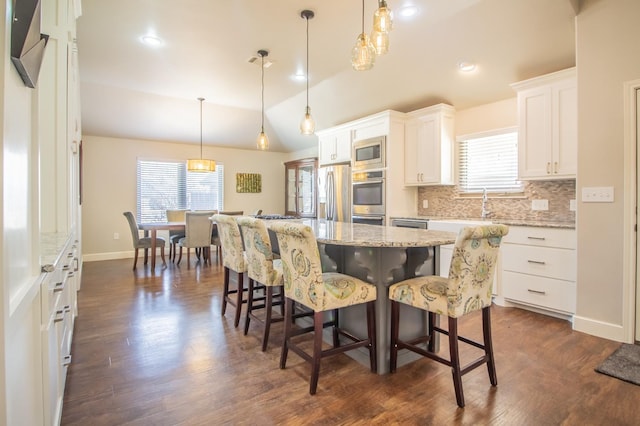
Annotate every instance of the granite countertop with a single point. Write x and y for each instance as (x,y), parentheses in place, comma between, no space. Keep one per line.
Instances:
(511,222)
(51,245)
(356,234)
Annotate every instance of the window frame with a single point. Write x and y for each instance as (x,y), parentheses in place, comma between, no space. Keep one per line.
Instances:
(517,188)
(181,198)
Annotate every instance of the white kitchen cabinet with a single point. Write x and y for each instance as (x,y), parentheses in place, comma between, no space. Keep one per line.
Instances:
(334,146)
(548,126)
(539,268)
(429,149)
(58,304)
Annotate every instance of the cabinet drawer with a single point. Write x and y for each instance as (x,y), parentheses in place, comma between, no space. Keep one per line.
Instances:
(540,261)
(543,237)
(544,292)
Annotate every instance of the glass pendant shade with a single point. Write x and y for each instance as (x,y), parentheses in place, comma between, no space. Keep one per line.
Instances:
(263,141)
(363,55)
(200,164)
(380,42)
(307,125)
(382,18)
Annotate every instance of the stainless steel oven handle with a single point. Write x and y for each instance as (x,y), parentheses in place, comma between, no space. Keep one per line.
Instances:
(368,217)
(367,181)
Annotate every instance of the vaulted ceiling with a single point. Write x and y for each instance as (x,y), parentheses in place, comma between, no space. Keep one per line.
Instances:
(131,90)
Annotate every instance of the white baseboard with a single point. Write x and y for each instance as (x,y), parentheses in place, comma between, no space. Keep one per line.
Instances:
(598,328)
(94,257)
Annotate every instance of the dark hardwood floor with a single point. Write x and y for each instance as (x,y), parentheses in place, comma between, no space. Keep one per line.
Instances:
(153,350)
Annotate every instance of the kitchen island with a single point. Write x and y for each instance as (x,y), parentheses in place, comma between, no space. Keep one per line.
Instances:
(380,255)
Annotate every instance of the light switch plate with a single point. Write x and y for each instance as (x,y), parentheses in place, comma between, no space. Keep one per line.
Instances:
(539,204)
(425,204)
(597,194)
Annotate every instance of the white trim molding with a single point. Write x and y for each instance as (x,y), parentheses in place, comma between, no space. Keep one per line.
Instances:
(630,215)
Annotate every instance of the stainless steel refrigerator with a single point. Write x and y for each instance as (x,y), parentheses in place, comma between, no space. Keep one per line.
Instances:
(334,192)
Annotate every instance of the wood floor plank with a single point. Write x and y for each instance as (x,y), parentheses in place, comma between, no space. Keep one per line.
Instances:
(153,349)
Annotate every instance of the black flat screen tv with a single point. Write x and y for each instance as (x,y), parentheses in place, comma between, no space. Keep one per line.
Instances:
(27,43)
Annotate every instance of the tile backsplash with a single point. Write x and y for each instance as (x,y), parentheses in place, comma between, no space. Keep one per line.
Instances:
(444,201)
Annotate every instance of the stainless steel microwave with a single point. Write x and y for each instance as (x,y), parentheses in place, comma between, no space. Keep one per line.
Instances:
(368,154)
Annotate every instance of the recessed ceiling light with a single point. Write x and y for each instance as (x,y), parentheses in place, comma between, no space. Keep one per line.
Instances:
(151,40)
(408,11)
(466,66)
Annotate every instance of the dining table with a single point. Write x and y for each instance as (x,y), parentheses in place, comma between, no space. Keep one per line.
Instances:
(380,255)
(152,228)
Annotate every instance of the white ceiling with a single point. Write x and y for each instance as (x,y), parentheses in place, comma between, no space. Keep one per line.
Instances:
(132,91)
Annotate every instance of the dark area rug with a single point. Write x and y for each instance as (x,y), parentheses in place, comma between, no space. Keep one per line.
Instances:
(623,364)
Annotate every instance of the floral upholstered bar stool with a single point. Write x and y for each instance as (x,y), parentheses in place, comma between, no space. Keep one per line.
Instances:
(233,259)
(264,272)
(305,283)
(467,289)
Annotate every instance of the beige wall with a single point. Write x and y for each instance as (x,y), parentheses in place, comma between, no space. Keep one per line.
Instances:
(607,56)
(109,182)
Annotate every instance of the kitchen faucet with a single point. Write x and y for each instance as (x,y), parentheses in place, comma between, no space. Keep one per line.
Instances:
(485,213)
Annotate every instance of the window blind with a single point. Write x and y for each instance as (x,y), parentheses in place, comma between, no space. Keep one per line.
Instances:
(163,185)
(489,162)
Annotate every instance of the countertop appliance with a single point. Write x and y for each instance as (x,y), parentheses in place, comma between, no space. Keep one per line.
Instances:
(410,223)
(334,192)
(368,154)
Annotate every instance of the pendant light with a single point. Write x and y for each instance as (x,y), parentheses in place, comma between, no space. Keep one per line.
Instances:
(383,18)
(201,165)
(307,125)
(263,141)
(382,24)
(363,54)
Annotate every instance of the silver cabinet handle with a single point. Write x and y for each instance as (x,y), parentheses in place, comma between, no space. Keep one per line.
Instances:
(537,262)
(537,238)
(548,168)
(67,361)
(58,287)
(555,167)
(537,292)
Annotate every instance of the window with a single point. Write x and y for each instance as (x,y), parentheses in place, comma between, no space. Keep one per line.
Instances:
(166,185)
(489,161)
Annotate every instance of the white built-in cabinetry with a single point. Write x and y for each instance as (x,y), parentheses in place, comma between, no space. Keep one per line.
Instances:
(58,310)
(539,268)
(548,126)
(429,149)
(334,145)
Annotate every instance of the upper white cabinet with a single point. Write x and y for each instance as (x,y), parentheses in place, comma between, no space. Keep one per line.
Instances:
(548,126)
(334,146)
(428,146)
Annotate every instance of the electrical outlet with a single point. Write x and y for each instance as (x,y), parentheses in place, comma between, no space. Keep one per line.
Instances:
(539,204)
(425,204)
(572,205)
(116,236)
(597,194)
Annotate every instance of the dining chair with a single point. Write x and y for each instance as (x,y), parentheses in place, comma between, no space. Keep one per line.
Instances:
(233,259)
(467,289)
(142,242)
(175,235)
(198,228)
(305,283)
(265,273)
